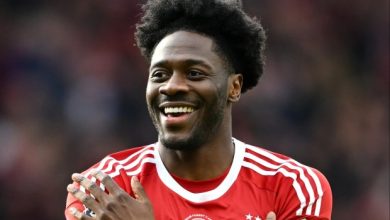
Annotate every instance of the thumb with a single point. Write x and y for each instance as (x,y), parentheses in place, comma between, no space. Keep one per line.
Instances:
(271,216)
(138,190)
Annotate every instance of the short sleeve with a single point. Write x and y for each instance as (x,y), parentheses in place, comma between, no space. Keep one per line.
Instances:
(306,194)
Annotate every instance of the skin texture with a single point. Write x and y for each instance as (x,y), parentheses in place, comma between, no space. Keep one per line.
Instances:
(185,70)
(187,73)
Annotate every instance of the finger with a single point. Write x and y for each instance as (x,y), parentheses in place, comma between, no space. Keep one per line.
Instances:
(79,215)
(271,216)
(138,189)
(86,199)
(107,181)
(92,187)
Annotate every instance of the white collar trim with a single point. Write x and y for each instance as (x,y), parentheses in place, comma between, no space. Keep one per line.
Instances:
(213,194)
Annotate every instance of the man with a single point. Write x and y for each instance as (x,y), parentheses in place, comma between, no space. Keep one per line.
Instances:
(203,54)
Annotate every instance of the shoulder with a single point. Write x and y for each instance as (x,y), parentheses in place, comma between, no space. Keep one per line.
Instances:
(119,166)
(132,153)
(268,163)
(303,188)
(123,160)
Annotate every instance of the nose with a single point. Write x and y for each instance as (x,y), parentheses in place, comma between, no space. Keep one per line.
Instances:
(177,83)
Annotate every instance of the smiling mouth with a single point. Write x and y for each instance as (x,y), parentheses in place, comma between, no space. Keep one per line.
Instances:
(177,111)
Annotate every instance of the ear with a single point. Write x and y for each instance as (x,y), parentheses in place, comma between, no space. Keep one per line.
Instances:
(235,85)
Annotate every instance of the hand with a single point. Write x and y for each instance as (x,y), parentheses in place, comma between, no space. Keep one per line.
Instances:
(114,205)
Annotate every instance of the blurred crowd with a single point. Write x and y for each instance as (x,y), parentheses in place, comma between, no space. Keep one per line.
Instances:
(72,87)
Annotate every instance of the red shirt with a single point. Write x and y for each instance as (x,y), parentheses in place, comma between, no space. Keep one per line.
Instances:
(258,181)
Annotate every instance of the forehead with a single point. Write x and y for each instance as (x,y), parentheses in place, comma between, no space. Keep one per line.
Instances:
(184,45)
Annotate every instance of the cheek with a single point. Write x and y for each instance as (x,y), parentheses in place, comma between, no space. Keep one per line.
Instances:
(220,90)
(150,93)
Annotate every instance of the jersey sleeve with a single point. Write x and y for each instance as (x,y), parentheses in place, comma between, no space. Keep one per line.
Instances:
(120,178)
(305,196)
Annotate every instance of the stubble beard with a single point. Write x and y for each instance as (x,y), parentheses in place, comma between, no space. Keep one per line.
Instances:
(201,132)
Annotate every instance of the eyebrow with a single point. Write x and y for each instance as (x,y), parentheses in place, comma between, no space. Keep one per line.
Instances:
(187,62)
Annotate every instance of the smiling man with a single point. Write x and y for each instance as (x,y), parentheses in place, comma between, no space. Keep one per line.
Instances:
(203,54)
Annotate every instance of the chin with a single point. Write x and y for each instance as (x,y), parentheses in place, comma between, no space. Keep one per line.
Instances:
(184,144)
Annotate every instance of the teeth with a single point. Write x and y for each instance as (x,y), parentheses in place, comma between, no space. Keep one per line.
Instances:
(170,110)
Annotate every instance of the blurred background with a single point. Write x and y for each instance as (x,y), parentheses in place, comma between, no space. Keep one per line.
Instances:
(72,89)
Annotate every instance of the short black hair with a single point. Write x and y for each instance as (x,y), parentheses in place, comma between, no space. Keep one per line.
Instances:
(240,37)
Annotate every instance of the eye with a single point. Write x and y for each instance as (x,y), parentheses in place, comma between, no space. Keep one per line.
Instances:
(195,74)
(159,75)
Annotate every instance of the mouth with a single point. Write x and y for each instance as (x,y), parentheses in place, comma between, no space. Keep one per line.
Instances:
(177,111)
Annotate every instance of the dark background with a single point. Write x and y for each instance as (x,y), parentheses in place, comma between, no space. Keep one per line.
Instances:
(72,89)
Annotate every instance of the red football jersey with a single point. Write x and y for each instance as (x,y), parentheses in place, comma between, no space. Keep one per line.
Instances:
(258,181)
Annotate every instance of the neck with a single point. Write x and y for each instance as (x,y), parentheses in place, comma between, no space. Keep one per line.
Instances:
(205,162)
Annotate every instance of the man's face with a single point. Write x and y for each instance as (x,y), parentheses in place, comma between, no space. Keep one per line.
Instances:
(187,90)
